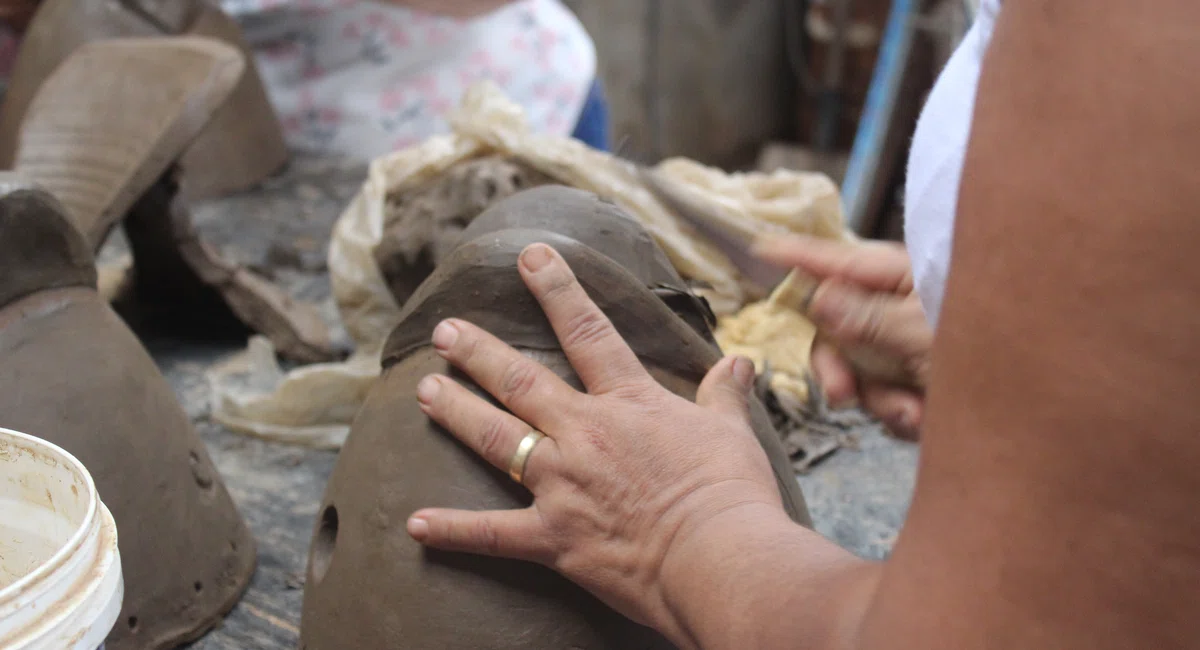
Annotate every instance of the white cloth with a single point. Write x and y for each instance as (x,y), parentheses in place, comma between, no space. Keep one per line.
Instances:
(935,163)
(361,78)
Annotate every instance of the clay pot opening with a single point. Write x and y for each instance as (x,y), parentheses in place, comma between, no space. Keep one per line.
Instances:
(133,624)
(325,542)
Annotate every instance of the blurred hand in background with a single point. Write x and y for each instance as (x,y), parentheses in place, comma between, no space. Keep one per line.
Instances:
(865,297)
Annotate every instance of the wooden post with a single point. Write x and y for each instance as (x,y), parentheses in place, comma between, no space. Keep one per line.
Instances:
(707,79)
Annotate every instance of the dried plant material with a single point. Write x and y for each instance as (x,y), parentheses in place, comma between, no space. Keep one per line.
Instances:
(252,397)
(766,335)
(780,200)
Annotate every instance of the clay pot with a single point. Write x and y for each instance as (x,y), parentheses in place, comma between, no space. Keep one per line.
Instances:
(113,156)
(241,146)
(72,373)
(369,584)
(97,150)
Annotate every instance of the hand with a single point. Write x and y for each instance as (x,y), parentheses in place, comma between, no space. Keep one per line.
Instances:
(616,490)
(865,297)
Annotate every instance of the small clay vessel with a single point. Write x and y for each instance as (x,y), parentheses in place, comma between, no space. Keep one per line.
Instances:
(242,145)
(109,156)
(72,373)
(369,584)
(110,120)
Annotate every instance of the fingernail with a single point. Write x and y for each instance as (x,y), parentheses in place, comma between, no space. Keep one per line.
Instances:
(444,335)
(743,372)
(418,528)
(428,389)
(534,258)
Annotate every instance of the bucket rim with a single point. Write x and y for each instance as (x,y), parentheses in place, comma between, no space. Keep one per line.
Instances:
(24,583)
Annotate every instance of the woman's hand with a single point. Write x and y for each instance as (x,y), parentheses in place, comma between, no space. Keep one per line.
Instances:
(629,475)
(865,297)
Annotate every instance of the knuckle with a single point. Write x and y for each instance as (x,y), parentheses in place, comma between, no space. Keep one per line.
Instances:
(518,380)
(596,436)
(466,347)
(484,537)
(586,328)
(869,321)
(630,388)
(492,438)
(558,286)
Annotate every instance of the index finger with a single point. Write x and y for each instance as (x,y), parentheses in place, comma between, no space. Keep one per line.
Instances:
(879,266)
(601,358)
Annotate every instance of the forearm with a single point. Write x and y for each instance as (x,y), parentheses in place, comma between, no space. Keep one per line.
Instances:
(751,578)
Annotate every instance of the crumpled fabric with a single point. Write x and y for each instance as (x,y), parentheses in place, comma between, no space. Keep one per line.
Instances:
(314,405)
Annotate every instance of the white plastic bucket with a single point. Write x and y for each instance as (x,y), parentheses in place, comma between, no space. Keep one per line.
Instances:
(60,571)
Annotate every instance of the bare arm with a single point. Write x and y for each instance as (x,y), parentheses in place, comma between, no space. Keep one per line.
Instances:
(1056,499)
(1057,489)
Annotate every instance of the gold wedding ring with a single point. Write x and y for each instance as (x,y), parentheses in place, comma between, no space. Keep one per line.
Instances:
(516,468)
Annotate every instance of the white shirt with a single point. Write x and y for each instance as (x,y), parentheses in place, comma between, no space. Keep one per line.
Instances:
(936,159)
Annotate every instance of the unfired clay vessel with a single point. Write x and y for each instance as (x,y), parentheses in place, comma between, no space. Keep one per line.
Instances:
(109,121)
(72,373)
(241,146)
(369,584)
(114,157)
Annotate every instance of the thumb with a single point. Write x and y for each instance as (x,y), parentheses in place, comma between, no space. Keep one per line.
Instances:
(726,387)
(849,315)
